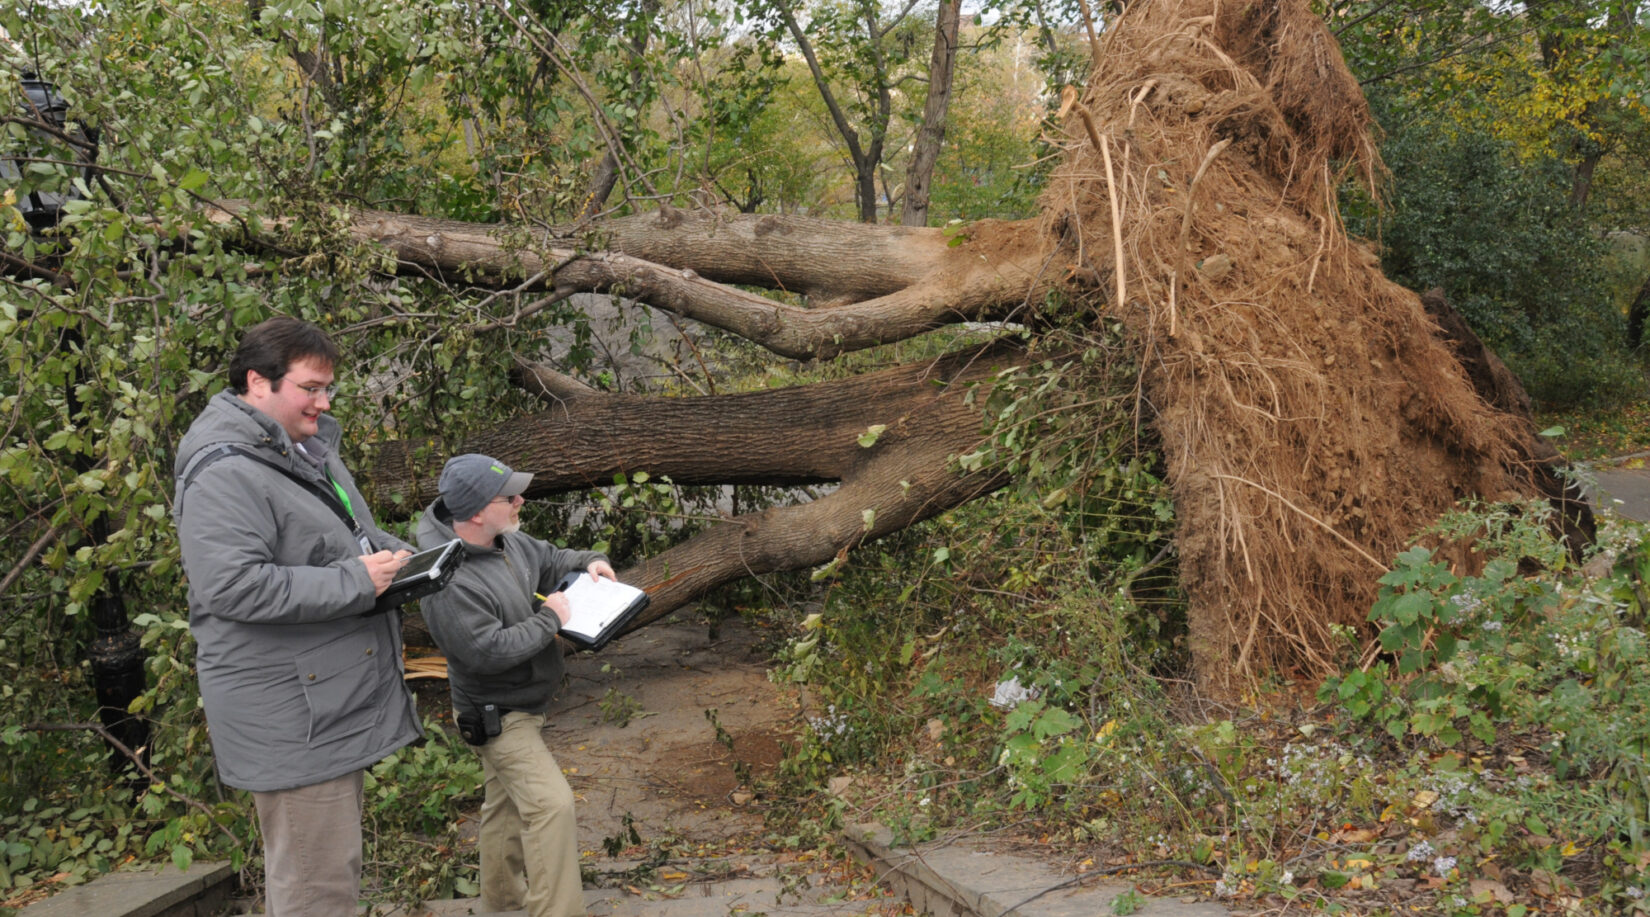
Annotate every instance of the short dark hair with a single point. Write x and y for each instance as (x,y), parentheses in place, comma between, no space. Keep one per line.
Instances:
(271,346)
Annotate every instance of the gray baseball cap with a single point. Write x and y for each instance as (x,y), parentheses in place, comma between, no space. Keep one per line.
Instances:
(470,481)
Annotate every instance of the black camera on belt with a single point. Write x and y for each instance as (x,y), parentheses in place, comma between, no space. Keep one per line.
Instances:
(476,726)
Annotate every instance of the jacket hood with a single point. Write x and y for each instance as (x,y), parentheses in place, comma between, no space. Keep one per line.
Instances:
(228,419)
(435,527)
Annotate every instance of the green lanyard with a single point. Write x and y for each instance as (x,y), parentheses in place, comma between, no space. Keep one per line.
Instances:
(342,496)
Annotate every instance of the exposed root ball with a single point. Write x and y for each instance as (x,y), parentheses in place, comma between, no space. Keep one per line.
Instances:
(1312,419)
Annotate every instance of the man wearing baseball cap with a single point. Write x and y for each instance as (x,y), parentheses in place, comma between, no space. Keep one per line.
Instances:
(504,666)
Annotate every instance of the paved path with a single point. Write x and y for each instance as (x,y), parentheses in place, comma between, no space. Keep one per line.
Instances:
(1621,485)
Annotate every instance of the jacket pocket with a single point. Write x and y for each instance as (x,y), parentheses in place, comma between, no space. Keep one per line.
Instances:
(343,683)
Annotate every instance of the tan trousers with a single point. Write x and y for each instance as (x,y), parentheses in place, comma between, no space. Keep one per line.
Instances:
(312,848)
(529,841)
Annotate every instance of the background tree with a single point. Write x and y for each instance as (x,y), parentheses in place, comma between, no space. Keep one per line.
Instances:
(1534,91)
(931,135)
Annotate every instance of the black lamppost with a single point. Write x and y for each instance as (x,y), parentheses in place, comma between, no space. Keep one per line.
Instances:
(115,653)
(42,104)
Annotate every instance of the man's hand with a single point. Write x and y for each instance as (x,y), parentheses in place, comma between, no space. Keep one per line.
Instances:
(599,569)
(557,602)
(383,566)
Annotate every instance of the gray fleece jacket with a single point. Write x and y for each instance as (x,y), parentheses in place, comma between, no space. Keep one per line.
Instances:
(499,640)
(298,686)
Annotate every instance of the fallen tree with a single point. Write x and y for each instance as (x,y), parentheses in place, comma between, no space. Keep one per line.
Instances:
(1311,415)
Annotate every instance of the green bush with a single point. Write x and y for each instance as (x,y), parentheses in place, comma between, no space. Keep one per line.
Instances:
(1501,238)
(1555,665)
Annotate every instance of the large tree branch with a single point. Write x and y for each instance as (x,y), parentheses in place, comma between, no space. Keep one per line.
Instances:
(899,489)
(827,259)
(996,268)
(797,332)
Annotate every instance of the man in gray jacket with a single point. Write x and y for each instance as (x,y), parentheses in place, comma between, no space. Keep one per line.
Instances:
(301,682)
(497,622)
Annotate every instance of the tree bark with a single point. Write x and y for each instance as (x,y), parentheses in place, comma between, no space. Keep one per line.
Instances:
(1636,314)
(931,137)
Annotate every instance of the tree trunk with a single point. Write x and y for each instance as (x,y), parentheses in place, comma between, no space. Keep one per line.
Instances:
(605,177)
(931,137)
(1636,314)
(872,284)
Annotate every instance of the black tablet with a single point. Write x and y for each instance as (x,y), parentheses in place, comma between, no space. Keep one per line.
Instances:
(422,574)
(425,565)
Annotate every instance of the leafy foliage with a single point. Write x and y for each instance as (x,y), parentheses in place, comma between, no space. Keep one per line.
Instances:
(1522,266)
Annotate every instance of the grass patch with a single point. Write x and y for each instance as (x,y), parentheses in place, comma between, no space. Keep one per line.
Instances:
(1592,434)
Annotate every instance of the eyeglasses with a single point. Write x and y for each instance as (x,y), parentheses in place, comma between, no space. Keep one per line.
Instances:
(514,498)
(315,391)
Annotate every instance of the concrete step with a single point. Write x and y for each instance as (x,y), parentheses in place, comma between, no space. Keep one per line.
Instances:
(966,875)
(710,888)
(202,890)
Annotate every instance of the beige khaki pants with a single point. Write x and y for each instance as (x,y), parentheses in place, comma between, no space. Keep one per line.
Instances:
(529,841)
(312,848)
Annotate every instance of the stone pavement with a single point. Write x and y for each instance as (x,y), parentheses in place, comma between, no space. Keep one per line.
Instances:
(1620,485)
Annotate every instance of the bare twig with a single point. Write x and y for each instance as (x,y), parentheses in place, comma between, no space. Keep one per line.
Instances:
(46,538)
(1109,870)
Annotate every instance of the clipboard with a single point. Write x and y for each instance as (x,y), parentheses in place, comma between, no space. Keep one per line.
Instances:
(600,609)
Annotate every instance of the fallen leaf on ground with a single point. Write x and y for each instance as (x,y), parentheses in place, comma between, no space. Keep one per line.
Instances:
(1494,889)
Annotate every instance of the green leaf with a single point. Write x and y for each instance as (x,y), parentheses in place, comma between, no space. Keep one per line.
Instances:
(871,434)
(192,180)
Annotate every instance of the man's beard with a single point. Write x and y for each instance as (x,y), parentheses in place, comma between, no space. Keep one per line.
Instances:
(512,528)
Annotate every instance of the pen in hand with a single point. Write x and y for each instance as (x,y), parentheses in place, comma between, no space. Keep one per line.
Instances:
(544,598)
(556,603)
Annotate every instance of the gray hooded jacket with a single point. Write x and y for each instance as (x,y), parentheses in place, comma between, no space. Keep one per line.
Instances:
(299,687)
(499,640)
